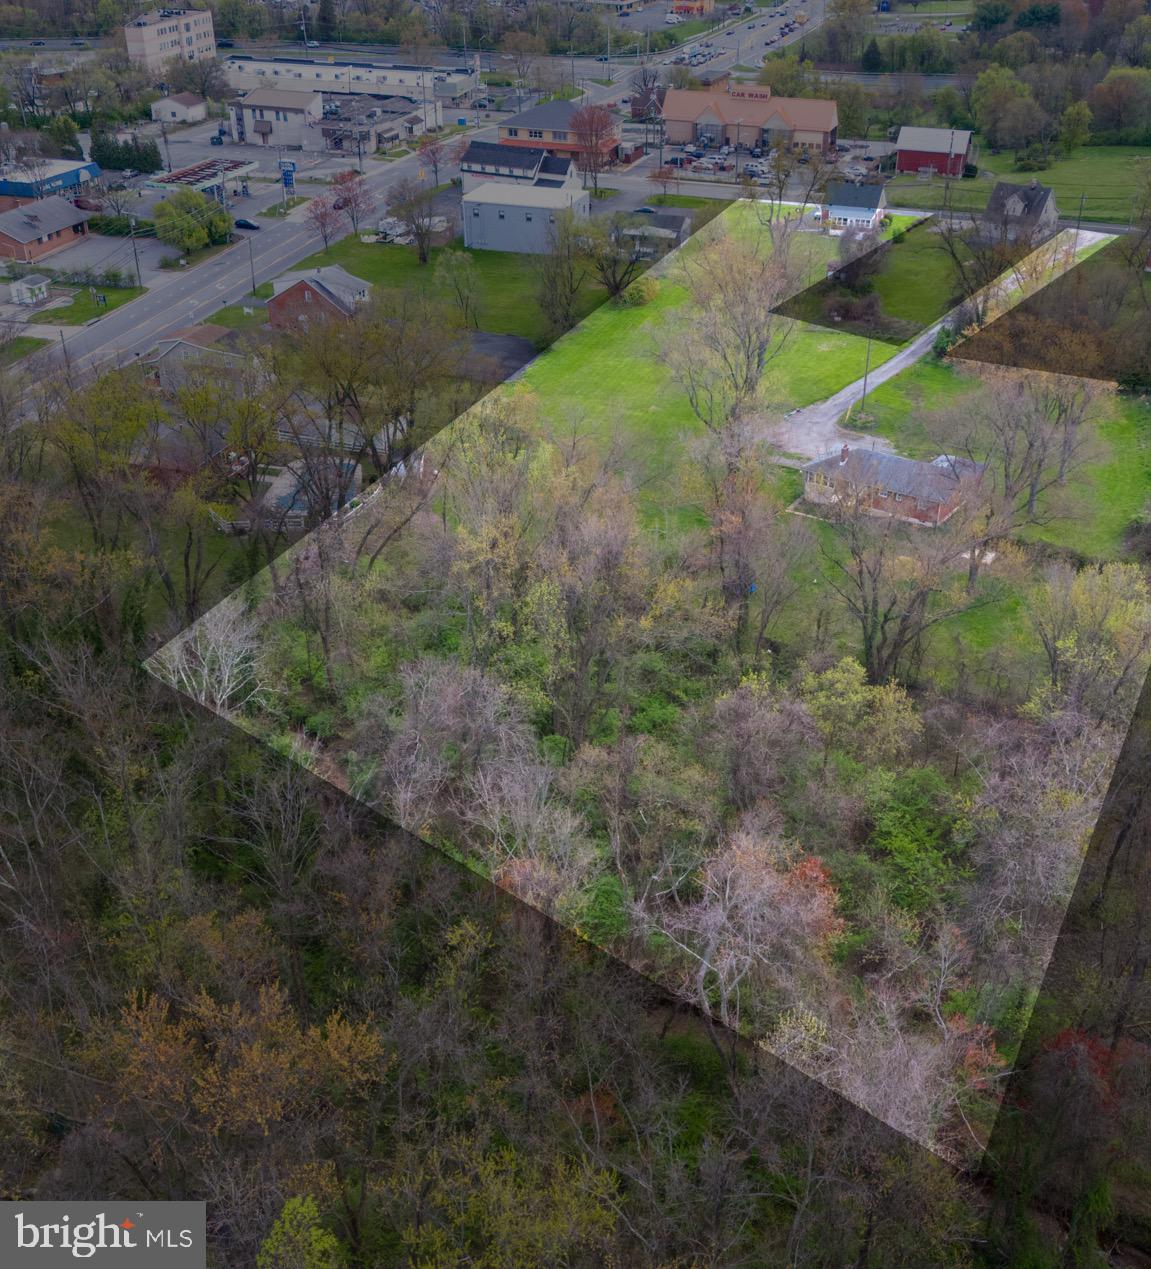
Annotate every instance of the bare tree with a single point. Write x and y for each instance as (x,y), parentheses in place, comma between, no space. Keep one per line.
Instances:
(323,218)
(411,202)
(456,273)
(432,151)
(895,582)
(1027,433)
(352,196)
(593,130)
(612,253)
(562,271)
(721,345)
(217,660)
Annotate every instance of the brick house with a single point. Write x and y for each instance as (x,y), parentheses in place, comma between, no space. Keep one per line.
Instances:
(327,292)
(892,486)
(944,151)
(37,229)
(749,115)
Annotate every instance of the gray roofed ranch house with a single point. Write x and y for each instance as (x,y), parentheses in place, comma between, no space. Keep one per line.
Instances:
(926,493)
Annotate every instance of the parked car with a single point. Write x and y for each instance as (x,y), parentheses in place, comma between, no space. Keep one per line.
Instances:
(88,204)
(339,204)
(216,139)
(242,222)
(677,160)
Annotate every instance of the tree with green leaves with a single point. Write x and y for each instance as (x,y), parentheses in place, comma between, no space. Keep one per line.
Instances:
(872,59)
(61,130)
(297,1240)
(190,221)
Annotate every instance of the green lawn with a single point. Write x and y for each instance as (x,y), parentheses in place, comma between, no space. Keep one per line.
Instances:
(608,377)
(1104,175)
(1114,487)
(235,317)
(19,347)
(84,307)
(508,281)
(282,209)
(705,209)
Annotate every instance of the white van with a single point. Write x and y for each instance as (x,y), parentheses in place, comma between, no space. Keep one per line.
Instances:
(673,19)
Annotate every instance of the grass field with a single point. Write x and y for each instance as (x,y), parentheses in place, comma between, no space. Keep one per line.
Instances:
(608,379)
(508,282)
(1114,487)
(84,307)
(1103,175)
(17,348)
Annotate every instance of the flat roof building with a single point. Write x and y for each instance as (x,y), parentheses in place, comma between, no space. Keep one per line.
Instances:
(519,218)
(328,75)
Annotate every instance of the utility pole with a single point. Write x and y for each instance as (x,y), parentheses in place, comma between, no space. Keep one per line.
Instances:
(135,252)
(167,148)
(866,368)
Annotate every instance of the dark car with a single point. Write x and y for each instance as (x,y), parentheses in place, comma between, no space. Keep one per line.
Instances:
(602,57)
(677,160)
(216,139)
(79,43)
(225,43)
(339,204)
(242,222)
(88,204)
(645,211)
(39,43)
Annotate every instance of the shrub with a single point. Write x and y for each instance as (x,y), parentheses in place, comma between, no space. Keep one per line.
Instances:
(117,226)
(912,832)
(945,340)
(642,291)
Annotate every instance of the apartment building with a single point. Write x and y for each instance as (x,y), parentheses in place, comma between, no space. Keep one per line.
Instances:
(163,34)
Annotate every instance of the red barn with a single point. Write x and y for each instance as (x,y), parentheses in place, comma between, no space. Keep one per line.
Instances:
(943,151)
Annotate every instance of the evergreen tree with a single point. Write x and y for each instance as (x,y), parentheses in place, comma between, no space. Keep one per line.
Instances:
(326,20)
(872,60)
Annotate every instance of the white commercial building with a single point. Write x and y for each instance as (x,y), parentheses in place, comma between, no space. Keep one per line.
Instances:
(416,83)
(155,38)
(271,116)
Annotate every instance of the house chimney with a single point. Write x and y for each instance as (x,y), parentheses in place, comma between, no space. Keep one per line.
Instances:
(843,453)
